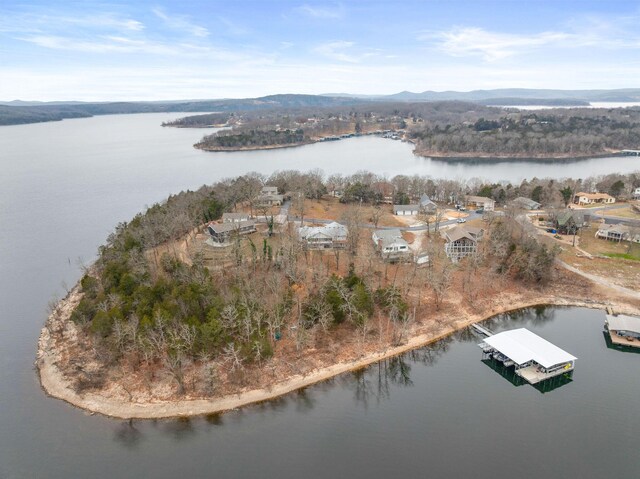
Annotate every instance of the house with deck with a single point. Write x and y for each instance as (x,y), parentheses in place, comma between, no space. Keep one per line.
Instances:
(329,236)
(618,233)
(391,245)
(583,198)
(480,202)
(461,241)
(224,232)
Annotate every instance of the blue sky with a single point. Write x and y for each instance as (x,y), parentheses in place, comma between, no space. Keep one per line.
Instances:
(140,50)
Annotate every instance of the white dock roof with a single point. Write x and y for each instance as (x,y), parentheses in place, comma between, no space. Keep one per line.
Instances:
(623,323)
(521,345)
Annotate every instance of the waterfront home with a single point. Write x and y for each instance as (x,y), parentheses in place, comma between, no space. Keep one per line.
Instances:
(269,197)
(223,232)
(526,203)
(427,207)
(406,210)
(235,217)
(593,198)
(618,233)
(391,245)
(461,241)
(477,202)
(330,236)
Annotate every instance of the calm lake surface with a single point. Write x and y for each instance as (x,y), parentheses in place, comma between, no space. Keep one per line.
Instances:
(438,411)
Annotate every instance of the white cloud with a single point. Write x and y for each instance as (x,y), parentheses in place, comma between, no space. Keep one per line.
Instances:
(492,46)
(337,51)
(181,23)
(323,12)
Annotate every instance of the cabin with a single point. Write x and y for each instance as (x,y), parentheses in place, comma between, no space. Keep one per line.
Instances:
(624,330)
(235,217)
(480,202)
(526,203)
(391,245)
(330,236)
(427,207)
(534,358)
(269,197)
(406,210)
(568,222)
(593,198)
(223,232)
(461,241)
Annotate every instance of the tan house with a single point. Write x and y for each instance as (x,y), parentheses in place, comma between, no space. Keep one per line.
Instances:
(476,202)
(592,198)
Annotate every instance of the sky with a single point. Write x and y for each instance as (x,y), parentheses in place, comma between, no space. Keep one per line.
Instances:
(170,50)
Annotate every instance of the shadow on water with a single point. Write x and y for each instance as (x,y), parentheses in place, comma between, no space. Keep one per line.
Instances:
(128,434)
(180,428)
(619,347)
(510,375)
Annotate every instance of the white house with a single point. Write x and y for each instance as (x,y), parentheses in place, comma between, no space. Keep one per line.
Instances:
(591,198)
(391,244)
(481,202)
(636,194)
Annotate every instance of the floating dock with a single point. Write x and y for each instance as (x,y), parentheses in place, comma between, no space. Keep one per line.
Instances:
(624,330)
(534,359)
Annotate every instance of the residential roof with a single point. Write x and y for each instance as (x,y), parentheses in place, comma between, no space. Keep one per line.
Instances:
(527,203)
(521,345)
(386,242)
(594,196)
(480,199)
(226,227)
(426,201)
(386,235)
(235,215)
(333,230)
(566,215)
(619,228)
(459,232)
(623,323)
(397,208)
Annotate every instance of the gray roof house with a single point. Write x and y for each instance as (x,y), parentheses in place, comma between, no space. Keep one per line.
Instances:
(269,196)
(618,233)
(332,235)
(526,203)
(222,232)
(391,244)
(427,206)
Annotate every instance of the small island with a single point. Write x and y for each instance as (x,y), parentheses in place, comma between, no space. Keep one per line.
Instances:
(254,287)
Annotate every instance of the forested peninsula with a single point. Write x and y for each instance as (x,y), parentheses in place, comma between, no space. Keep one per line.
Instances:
(439,129)
(192,308)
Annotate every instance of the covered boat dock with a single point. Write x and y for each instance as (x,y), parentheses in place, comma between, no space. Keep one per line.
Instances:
(624,330)
(534,358)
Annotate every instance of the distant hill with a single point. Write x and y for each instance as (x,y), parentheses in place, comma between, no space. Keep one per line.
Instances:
(18,113)
(620,95)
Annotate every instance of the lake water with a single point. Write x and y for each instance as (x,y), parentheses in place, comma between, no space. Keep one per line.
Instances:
(64,186)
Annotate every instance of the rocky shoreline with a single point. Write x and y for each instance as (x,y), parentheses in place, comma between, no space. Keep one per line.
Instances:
(60,331)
